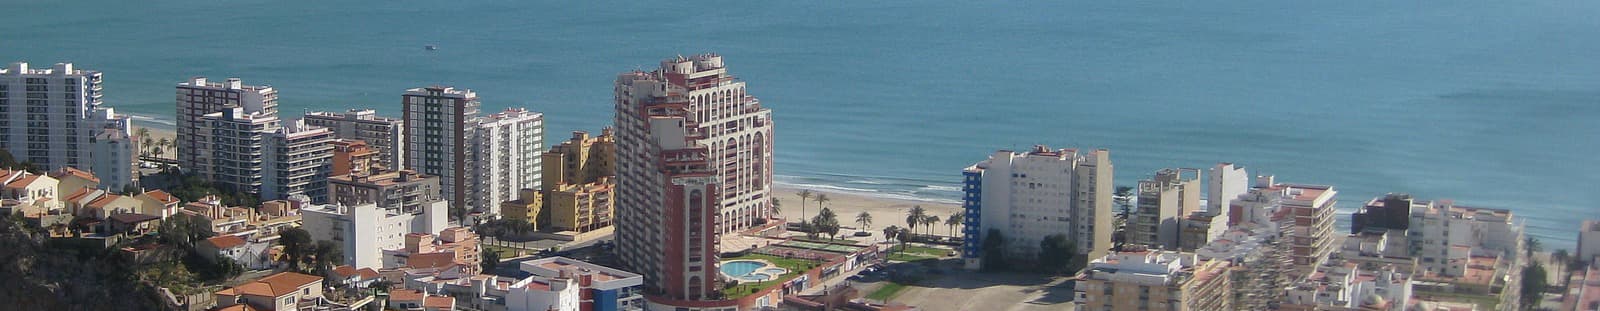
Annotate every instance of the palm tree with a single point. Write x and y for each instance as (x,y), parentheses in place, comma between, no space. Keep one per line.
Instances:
(864,218)
(144,135)
(951,222)
(821,199)
(915,215)
(161,146)
(777,207)
(929,222)
(890,231)
(804,195)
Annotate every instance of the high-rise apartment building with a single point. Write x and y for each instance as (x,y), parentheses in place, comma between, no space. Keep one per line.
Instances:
(694,160)
(53,118)
(579,181)
(1164,200)
(507,161)
(299,158)
(1305,213)
(1026,196)
(440,123)
(199,97)
(229,148)
(387,135)
(1154,280)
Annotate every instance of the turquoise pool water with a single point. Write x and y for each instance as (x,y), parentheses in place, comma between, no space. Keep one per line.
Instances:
(751,270)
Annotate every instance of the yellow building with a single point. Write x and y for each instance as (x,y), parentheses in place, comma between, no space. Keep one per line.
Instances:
(525,208)
(578,183)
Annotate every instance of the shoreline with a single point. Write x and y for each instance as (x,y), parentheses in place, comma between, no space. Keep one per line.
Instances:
(884,211)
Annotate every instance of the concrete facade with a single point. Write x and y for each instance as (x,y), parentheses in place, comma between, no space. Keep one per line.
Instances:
(53,117)
(507,161)
(387,135)
(365,231)
(1153,280)
(1164,201)
(198,98)
(1028,196)
(694,161)
(579,178)
(439,125)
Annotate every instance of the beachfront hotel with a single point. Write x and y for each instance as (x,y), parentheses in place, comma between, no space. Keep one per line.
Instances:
(385,134)
(53,118)
(199,97)
(694,161)
(1026,196)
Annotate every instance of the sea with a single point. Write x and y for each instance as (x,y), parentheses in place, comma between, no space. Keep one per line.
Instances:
(1487,103)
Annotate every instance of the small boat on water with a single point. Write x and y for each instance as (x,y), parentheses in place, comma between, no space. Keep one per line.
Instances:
(430,47)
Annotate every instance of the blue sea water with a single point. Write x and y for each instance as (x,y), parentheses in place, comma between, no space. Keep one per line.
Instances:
(1490,103)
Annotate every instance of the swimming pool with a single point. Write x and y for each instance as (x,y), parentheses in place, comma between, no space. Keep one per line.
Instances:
(751,270)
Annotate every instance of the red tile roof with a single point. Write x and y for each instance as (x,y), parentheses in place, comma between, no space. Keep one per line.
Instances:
(131,218)
(368,273)
(226,241)
(275,285)
(22,182)
(439,302)
(431,260)
(405,295)
(344,271)
(68,170)
(162,196)
(103,200)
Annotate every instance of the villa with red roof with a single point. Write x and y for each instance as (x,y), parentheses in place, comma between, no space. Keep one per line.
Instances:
(282,291)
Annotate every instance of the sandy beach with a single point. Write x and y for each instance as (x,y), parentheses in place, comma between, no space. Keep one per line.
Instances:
(157,133)
(885,212)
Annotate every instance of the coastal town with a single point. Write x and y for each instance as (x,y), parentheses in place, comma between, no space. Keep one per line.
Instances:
(437,203)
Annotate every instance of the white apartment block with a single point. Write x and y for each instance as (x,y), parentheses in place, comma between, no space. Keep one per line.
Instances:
(1030,195)
(299,158)
(439,124)
(53,118)
(1343,285)
(1445,237)
(382,133)
(199,97)
(365,231)
(509,145)
(1164,200)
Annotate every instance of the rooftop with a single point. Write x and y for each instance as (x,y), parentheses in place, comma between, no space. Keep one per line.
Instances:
(275,285)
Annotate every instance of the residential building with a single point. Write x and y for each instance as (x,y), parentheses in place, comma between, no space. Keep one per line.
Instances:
(1260,259)
(1305,213)
(1348,286)
(508,144)
(21,188)
(694,161)
(1583,290)
(282,291)
(564,284)
(230,149)
(366,230)
(579,182)
(385,134)
(157,203)
(406,191)
(454,245)
(71,179)
(1589,240)
(527,207)
(299,159)
(1154,280)
(353,157)
(440,125)
(54,118)
(407,299)
(1224,183)
(1026,196)
(1164,201)
(198,98)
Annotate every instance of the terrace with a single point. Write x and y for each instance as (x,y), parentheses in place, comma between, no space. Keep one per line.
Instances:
(795,267)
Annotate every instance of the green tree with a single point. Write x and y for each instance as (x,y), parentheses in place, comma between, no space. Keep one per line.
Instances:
(827,222)
(1533,246)
(1534,286)
(953,221)
(1056,254)
(777,207)
(889,232)
(929,221)
(1122,197)
(864,219)
(491,259)
(822,200)
(325,256)
(914,216)
(804,195)
(296,242)
(994,245)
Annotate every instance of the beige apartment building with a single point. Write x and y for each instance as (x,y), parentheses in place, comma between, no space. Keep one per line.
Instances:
(1154,280)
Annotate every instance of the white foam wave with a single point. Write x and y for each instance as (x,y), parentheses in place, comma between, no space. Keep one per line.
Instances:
(941,188)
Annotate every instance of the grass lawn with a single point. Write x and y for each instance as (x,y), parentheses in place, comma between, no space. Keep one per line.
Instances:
(824,239)
(504,252)
(795,266)
(1484,302)
(909,257)
(925,251)
(889,290)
